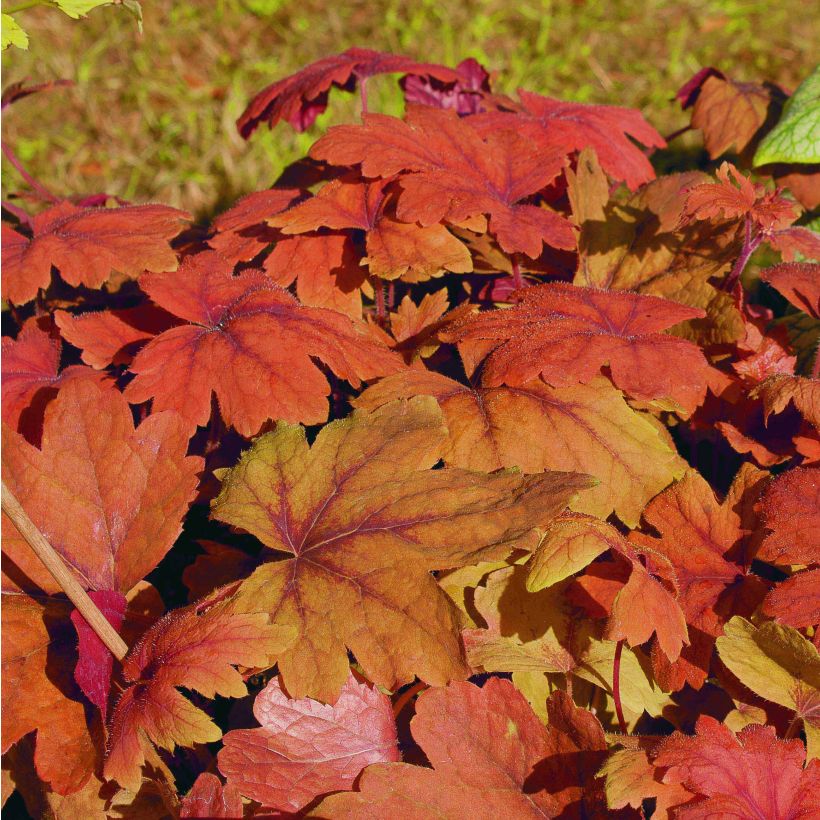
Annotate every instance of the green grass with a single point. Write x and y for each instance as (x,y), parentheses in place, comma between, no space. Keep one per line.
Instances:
(152,117)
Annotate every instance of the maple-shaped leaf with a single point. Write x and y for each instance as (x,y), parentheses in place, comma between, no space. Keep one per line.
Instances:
(196,647)
(108,497)
(305,748)
(587,428)
(241,232)
(302,96)
(799,282)
(250,342)
(796,601)
(31,374)
(395,250)
(366,521)
(734,196)
(706,543)
(730,114)
(210,798)
(454,173)
(791,507)
(751,774)
(566,334)
(415,326)
(779,664)
(87,245)
(779,390)
(557,125)
(485,746)
(112,336)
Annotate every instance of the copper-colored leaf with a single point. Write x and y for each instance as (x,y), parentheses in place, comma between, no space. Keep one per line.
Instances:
(108,497)
(796,601)
(305,748)
(588,428)
(454,174)
(799,282)
(395,250)
(366,520)
(250,342)
(196,647)
(569,126)
(566,334)
(87,245)
(302,96)
(31,376)
(485,746)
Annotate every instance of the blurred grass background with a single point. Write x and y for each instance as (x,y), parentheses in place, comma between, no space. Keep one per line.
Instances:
(151,116)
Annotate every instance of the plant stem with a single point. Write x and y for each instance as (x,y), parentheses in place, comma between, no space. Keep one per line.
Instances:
(37,186)
(378,287)
(405,697)
(363,94)
(616,686)
(750,245)
(62,575)
(516,272)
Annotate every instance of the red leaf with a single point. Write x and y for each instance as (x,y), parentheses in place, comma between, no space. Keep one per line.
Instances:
(792,512)
(456,174)
(111,336)
(87,245)
(753,774)
(555,125)
(483,745)
(31,377)
(566,334)
(799,282)
(209,798)
(796,601)
(306,748)
(250,342)
(463,96)
(95,664)
(734,196)
(302,96)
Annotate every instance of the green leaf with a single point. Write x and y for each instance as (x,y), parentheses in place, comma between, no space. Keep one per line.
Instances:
(13,35)
(79,8)
(796,138)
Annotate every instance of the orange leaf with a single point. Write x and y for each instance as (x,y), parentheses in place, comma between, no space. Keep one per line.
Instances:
(31,375)
(557,125)
(366,521)
(799,282)
(796,601)
(250,342)
(454,173)
(196,647)
(485,746)
(566,334)
(586,428)
(87,244)
(305,748)
(791,508)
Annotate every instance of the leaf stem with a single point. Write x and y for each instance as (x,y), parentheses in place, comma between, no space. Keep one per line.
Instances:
(518,280)
(381,312)
(37,186)
(406,696)
(616,686)
(751,242)
(62,575)
(363,94)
